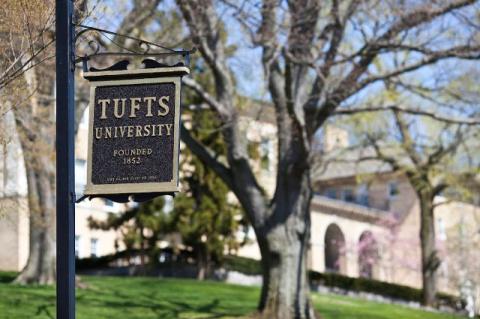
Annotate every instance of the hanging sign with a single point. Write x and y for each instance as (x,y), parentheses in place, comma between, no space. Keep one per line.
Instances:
(134,131)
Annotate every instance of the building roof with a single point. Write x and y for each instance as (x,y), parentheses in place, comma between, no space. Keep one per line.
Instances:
(257,110)
(353,211)
(342,163)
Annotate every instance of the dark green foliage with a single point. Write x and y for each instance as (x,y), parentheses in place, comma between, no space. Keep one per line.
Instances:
(103,261)
(241,264)
(6,277)
(252,267)
(253,150)
(141,227)
(379,287)
(204,216)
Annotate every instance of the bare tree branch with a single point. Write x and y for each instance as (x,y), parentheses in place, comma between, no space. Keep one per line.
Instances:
(141,13)
(39,38)
(336,39)
(205,28)
(380,155)
(443,151)
(350,85)
(407,142)
(463,52)
(207,98)
(412,111)
(204,155)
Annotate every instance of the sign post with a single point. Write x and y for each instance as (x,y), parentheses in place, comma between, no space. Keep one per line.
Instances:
(65,160)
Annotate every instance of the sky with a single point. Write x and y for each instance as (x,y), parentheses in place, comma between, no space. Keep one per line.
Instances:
(248,71)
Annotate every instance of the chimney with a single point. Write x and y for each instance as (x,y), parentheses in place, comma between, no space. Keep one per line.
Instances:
(334,138)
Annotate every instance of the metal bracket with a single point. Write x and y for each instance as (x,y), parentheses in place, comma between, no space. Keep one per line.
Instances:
(125,198)
(126,51)
(73,197)
(81,199)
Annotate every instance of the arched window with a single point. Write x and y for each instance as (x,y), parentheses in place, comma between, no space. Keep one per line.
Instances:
(334,249)
(367,255)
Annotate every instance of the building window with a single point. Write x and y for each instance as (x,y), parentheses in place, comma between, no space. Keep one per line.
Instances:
(347,195)
(362,195)
(331,193)
(266,151)
(442,234)
(461,229)
(77,246)
(109,203)
(94,247)
(80,175)
(168,205)
(393,189)
(443,271)
(84,120)
(80,163)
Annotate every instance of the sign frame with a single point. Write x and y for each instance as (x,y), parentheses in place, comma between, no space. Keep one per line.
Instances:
(126,78)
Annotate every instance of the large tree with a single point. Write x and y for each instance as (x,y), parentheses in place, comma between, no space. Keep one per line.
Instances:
(434,157)
(438,155)
(317,57)
(26,51)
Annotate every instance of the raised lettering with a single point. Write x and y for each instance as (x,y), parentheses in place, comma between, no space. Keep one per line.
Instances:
(160,129)
(122,130)
(108,132)
(162,102)
(103,103)
(138,131)
(130,131)
(149,100)
(98,133)
(169,128)
(146,130)
(134,106)
(115,110)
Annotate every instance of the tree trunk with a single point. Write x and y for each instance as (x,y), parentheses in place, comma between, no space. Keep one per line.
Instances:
(284,247)
(430,259)
(203,262)
(36,130)
(40,268)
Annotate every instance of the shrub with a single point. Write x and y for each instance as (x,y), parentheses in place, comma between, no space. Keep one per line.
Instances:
(252,267)
(382,288)
(244,265)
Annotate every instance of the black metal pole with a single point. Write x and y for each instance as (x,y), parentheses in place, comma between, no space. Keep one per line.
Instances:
(65,161)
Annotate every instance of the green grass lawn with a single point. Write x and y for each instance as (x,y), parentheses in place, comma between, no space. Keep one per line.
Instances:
(148,298)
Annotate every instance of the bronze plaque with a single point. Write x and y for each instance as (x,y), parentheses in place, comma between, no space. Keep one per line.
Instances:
(133,134)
